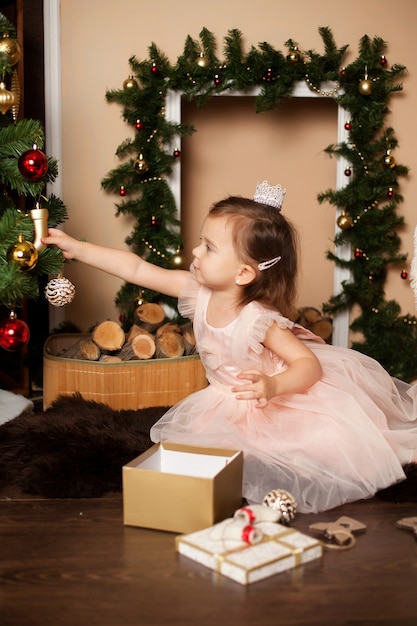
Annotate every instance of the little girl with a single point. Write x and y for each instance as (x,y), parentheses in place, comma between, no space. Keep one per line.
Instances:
(326,423)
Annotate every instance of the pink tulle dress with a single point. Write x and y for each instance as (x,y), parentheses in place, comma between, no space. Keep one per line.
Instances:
(345,438)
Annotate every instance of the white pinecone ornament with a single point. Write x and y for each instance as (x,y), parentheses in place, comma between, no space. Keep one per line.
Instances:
(282,501)
(59,291)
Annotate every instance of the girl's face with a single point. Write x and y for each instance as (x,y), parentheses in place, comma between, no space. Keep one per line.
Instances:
(216,264)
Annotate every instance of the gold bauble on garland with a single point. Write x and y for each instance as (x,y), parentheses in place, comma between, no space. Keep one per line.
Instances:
(177,260)
(202,60)
(130,82)
(294,55)
(141,165)
(365,85)
(389,160)
(344,221)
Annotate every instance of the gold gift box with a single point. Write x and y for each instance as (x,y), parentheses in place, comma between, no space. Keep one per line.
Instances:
(180,488)
(281,549)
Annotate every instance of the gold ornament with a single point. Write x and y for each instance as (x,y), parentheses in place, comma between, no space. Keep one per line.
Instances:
(365,84)
(294,55)
(59,291)
(7,98)
(202,60)
(130,82)
(23,253)
(389,160)
(177,260)
(139,300)
(344,221)
(40,223)
(141,165)
(10,48)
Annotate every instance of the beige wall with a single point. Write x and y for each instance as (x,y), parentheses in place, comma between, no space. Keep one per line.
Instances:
(233,147)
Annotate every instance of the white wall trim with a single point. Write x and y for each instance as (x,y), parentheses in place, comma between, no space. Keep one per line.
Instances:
(53,108)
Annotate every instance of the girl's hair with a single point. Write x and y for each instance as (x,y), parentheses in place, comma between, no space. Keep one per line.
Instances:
(261,233)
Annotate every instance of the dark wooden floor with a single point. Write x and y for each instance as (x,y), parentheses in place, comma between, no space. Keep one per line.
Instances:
(73,562)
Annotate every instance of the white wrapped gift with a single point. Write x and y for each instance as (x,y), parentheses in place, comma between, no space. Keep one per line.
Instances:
(281,548)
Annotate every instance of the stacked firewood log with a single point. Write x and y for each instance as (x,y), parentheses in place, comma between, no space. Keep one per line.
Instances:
(150,336)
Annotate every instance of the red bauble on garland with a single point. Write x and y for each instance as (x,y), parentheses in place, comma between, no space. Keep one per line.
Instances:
(33,164)
(14,333)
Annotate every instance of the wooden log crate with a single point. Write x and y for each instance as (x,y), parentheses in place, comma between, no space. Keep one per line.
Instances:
(123,370)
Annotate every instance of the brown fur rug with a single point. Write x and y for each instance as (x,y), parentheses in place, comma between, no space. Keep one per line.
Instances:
(74,449)
(77,448)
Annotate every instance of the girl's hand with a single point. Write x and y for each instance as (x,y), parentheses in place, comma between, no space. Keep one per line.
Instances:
(260,387)
(61,240)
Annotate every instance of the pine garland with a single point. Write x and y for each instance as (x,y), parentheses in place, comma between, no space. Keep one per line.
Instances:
(368,202)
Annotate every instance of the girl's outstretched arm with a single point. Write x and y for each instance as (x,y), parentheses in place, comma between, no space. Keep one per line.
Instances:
(122,263)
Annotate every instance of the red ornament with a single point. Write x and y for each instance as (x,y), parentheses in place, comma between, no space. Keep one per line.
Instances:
(342,71)
(154,221)
(404,274)
(14,334)
(217,80)
(154,68)
(269,75)
(348,125)
(390,192)
(348,171)
(33,164)
(122,190)
(138,125)
(358,253)
(177,153)
(383,61)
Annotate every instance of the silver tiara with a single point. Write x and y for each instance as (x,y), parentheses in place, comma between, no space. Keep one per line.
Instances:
(265,194)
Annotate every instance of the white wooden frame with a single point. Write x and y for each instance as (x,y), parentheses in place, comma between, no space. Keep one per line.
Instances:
(53,132)
(173,114)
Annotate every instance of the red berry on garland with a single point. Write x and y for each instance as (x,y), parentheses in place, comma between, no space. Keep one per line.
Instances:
(33,164)
(14,333)
(122,190)
(404,274)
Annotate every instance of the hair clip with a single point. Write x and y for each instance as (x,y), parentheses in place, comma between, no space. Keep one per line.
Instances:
(266,194)
(265,265)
